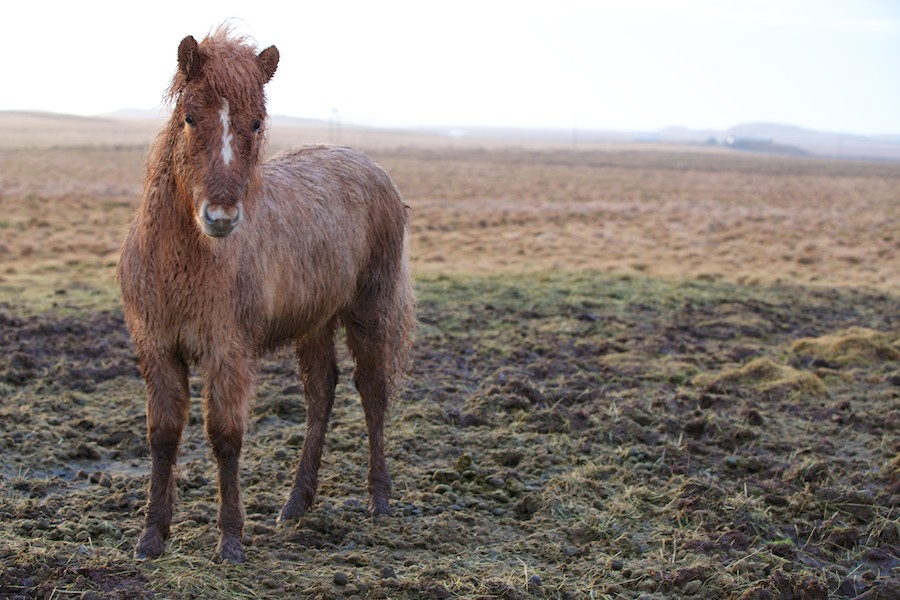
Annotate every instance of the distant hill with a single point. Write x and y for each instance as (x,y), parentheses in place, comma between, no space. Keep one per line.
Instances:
(136,114)
(286,121)
(37,116)
(36,129)
(787,139)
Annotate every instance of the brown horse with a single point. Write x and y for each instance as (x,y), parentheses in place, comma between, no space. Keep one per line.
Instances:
(230,256)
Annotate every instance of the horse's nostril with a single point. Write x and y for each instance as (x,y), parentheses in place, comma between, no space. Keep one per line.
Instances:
(220,213)
(219,221)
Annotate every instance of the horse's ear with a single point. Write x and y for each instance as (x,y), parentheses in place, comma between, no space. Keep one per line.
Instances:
(268,61)
(189,59)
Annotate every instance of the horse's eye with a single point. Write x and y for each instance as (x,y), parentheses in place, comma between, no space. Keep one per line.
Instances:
(189,120)
(256,125)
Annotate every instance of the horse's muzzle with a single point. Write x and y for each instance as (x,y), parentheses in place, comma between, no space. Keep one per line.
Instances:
(219,221)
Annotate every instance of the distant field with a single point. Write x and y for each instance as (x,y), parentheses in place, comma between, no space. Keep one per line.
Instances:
(482,209)
(639,373)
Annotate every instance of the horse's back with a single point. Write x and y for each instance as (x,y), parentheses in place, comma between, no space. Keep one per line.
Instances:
(331,199)
(332,220)
(325,171)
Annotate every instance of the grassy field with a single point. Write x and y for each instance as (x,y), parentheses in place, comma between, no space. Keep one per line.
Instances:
(640,373)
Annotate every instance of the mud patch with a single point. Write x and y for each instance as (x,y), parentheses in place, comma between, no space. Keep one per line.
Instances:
(75,352)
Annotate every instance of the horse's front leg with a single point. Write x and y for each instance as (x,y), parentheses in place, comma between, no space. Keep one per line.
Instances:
(227,398)
(166,378)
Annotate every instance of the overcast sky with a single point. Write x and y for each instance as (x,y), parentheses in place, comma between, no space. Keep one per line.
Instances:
(636,64)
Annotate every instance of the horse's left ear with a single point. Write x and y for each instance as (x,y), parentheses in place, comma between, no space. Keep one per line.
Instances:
(268,61)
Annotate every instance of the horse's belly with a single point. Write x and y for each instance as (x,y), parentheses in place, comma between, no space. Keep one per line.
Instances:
(293,313)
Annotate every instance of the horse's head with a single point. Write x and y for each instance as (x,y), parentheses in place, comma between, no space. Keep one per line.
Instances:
(220,110)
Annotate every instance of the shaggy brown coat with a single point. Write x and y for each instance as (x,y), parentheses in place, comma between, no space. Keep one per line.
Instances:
(229,257)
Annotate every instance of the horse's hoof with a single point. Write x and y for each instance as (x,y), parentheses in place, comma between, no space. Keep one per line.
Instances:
(291,513)
(378,509)
(288,518)
(151,545)
(230,551)
(142,555)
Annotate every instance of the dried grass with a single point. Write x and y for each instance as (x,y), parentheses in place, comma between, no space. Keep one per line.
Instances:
(856,346)
(765,375)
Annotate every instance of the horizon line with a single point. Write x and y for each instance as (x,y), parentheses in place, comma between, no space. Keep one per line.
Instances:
(147,114)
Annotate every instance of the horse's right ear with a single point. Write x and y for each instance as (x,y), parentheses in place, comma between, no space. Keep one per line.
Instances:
(189,59)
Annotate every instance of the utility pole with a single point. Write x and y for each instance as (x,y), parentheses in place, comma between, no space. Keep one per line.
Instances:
(334,127)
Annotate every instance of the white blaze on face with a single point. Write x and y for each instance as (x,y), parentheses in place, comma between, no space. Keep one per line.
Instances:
(225,116)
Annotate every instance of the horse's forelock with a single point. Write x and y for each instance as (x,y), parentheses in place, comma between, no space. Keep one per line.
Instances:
(230,70)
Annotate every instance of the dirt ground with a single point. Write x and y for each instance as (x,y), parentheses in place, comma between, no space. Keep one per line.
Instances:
(638,374)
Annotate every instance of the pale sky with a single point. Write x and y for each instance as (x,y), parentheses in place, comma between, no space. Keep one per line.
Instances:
(629,65)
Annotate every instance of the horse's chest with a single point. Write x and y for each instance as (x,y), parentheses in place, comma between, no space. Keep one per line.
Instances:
(200,313)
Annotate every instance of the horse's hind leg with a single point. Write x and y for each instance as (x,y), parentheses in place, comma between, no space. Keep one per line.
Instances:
(379,328)
(319,374)
(375,352)
(370,380)
(166,379)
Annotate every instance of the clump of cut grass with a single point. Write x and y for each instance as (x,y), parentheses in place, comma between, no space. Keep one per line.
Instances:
(764,375)
(856,346)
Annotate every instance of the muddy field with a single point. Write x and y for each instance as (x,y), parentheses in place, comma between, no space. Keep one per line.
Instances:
(638,374)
